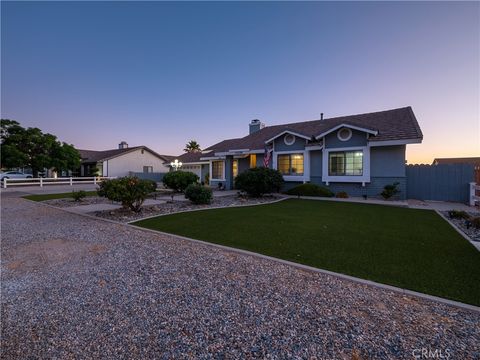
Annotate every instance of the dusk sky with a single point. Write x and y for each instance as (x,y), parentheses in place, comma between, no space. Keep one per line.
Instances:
(162,73)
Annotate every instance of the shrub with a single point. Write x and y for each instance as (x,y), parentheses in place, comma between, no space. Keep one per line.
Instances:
(258,181)
(131,192)
(390,190)
(475,222)
(198,194)
(78,195)
(458,214)
(310,190)
(179,180)
(342,195)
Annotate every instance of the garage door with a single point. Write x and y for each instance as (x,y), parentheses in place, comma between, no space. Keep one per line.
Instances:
(196,169)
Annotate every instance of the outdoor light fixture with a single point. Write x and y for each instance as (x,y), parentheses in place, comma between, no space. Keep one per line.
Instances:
(176,164)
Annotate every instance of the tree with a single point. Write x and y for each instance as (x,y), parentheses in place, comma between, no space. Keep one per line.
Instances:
(192,146)
(30,147)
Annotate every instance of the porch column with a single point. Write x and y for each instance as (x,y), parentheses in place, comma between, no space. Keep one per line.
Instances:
(229,172)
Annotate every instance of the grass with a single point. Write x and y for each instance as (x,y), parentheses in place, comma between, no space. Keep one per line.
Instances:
(408,248)
(44,197)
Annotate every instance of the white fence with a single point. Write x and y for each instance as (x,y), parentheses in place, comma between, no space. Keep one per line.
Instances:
(53,181)
(474,198)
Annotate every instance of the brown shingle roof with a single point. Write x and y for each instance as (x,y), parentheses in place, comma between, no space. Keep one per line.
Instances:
(93,156)
(396,124)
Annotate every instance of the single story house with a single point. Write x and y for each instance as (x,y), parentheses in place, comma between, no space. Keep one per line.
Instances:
(359,154)
(123,161)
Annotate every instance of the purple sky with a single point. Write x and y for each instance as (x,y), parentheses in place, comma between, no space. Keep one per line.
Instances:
(159,74)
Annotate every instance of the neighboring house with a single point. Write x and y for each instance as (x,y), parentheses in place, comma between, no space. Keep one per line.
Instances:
(449,161)
(123,161)
(359,154)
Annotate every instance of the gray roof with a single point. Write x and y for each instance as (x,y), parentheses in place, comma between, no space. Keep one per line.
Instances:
(396,124)
(94,156)
(448,161)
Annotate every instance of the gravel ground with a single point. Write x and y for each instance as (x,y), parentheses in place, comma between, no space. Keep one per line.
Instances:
(472,232)
(69,202)
(123,215)
(76,287)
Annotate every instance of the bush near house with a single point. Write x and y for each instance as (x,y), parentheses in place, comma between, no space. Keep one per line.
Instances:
(390,190)
(342,195)
(179,180)
(475,222)
(259,181)
(130,191)
(310,190)
(198,194)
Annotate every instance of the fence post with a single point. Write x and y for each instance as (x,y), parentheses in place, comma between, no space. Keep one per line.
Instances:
(41,182)
(5,183)
(472,194)
(71,181)
(94,180)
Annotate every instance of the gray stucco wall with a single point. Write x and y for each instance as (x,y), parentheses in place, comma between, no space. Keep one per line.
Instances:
(279,145)
(358,138)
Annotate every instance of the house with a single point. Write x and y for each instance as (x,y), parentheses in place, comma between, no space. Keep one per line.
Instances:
(359,154)
(449,161)
(123,161)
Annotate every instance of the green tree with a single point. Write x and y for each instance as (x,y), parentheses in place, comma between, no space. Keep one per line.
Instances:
(192,146)
(32,148)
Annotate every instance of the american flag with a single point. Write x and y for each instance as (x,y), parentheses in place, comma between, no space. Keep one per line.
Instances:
(266,156)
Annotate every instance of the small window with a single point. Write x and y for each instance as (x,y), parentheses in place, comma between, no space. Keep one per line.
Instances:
(345,163)
(148,169)
(143,151)
(344,134)
(217,170)
(235,168)
(289,139)
(253,160)
(290,164)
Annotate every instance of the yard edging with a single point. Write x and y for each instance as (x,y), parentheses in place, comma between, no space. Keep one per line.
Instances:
(285,262)
(321,271)
(475,244)
(403,204)
(207,208)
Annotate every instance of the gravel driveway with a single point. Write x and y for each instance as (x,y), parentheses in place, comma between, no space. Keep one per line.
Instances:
(75,287)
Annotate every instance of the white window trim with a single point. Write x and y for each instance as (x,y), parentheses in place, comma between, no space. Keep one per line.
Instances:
(287,132)
(306,165)
(211,172)
(373,132)
(349,134)
(365,178)
(289,143)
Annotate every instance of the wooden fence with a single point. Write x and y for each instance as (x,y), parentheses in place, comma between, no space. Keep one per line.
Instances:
(440,182)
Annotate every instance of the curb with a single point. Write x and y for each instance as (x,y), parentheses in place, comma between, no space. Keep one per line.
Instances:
(284,262)
(349,200)
(475,244)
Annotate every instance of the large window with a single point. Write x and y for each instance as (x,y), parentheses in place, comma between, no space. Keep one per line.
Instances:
(217,170)
(345,163)
(290,164)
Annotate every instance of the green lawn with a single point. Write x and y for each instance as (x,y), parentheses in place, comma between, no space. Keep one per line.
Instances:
(413,249)
(44,197)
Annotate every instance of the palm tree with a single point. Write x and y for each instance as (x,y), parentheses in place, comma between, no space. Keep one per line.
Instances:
(192,146)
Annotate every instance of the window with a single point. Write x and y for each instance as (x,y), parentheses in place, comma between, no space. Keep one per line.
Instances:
(344,134)
(290,164)
(148,169)
(235,168)
(345,163)
(253,160)
(217,170)
(289,139)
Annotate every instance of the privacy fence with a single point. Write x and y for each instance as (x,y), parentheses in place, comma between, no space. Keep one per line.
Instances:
(441,182)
